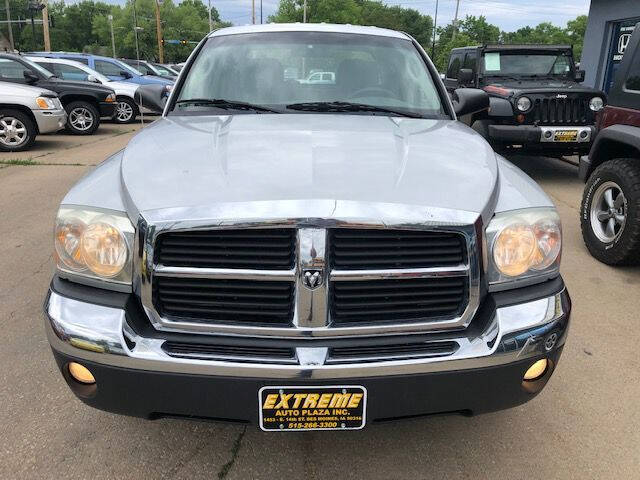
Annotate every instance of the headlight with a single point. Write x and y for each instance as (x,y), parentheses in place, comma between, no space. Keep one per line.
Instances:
(523,104)
(110,98)
(524,244)
(46,103)
(94,244)
(596,104)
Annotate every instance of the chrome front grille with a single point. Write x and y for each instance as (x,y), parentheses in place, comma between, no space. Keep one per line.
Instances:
(419,279)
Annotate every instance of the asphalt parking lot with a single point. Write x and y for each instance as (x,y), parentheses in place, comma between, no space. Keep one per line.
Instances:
(585,424)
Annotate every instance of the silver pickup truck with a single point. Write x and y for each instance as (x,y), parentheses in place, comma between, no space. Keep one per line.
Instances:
(307,256)
(25,112)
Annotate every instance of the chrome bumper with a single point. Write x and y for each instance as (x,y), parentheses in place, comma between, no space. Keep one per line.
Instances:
(50,121)
(96,333)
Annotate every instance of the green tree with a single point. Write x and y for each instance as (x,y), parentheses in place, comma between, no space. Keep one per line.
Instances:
(358,12)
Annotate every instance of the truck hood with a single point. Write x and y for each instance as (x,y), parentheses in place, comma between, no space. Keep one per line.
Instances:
(514,87)
(201,161)
(60,85)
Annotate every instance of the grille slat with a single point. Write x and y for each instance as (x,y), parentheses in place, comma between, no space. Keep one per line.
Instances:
(223,301)
(367,249)
(397,300)
(246,353)
(381,352)
(260,249)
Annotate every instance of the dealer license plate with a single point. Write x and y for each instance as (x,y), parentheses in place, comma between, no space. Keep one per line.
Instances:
(312,408)
(565,136)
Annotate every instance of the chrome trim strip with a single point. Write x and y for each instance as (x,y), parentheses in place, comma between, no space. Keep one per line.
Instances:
(312,215)
(96,333)
(311,302)
(225,273)
(234,358)
(400,273)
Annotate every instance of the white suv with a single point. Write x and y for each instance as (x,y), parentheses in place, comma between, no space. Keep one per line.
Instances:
(26,112)
(127,109)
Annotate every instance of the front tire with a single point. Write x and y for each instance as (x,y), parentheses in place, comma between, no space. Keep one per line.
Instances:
(83,118)
(610,212)
(17,131)
(126,111)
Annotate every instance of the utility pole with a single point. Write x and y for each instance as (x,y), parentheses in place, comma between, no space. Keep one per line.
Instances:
(304,12)
(113,39)
(135,30)
(45,26)
(455,21)
(6,5)
(260,12)
(435,26)
(159,31)
(210,21)
(253,11)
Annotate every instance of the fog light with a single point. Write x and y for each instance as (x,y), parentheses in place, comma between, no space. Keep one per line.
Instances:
(583,134)
(548,134)
(536,370)
(81,373)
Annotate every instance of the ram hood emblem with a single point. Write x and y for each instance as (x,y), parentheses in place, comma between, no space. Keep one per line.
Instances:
(312,278)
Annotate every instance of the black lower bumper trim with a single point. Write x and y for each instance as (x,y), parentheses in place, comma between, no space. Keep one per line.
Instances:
(154,394)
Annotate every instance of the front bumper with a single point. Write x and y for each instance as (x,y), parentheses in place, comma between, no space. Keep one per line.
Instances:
(135,376)
(107,109)
(541,137)
(50,121)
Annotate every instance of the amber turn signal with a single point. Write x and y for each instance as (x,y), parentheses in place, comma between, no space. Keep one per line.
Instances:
(81,373)
(536,370)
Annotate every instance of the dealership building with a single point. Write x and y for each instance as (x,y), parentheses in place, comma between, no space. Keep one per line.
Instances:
(611,23)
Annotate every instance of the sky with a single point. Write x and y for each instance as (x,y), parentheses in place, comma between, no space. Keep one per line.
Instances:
(509,15)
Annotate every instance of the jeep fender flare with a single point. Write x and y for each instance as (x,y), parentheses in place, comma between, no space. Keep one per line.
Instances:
(616,141)
(500,107)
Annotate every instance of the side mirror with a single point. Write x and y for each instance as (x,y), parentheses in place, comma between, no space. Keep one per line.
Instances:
(465,76)
(580,74)
(92,79)
(467,101)
(30,77)
(125,74)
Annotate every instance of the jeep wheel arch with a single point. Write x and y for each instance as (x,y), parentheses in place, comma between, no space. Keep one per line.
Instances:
(617,141)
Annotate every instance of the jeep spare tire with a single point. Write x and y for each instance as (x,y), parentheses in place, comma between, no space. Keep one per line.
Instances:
(610,212)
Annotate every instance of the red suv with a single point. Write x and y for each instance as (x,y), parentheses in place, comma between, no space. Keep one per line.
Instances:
(610,210)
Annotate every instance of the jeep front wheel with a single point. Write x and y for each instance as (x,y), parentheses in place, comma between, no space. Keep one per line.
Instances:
(610,212)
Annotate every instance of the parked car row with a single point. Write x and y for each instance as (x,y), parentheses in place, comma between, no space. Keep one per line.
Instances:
(85,93)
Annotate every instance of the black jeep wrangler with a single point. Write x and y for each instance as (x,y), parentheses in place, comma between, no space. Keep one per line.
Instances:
(537,103)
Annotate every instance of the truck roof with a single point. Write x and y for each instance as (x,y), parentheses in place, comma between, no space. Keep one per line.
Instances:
(309,27)
(521,46)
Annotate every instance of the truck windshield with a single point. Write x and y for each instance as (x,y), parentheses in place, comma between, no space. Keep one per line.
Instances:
(294,72)
(526,64)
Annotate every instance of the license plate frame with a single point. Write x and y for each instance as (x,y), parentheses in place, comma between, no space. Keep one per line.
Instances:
(312,418)
(565,136)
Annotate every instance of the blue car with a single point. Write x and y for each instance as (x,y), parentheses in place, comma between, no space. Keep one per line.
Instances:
(110,67)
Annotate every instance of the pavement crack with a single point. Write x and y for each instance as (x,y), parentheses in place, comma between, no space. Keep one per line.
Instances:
(235,450)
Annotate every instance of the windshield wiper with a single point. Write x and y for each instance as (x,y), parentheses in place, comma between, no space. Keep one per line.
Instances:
(226,104)
(337,106)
